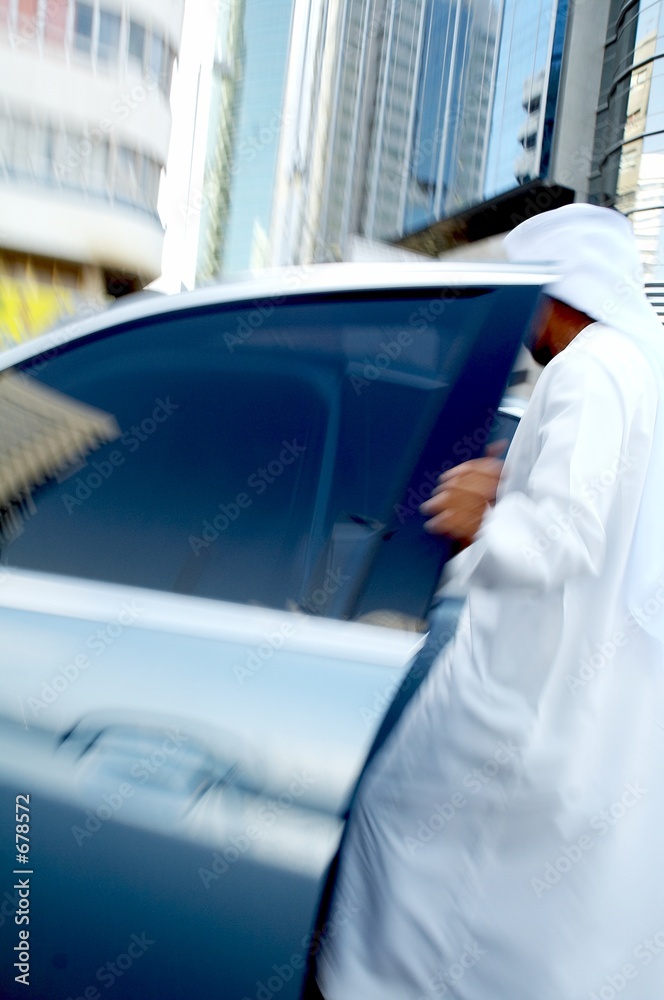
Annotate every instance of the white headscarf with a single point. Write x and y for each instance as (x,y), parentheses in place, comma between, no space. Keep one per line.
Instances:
(596,252)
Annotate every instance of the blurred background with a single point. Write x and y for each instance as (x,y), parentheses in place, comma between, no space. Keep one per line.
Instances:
(169,144)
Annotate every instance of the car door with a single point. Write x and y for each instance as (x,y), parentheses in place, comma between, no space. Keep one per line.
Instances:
(207,510)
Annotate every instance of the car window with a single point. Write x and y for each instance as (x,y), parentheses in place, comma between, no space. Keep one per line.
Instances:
(251,453)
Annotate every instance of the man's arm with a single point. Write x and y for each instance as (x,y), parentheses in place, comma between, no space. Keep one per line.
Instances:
(556,527)
(462,497)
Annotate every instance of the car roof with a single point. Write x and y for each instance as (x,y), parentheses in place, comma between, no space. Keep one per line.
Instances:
(288,283)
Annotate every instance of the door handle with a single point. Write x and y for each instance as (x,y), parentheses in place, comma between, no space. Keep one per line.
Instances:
(161,757)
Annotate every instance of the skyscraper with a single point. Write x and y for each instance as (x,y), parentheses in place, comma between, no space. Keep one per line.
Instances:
(628,165)
(226,91)
(388,115)
(377,116)
(448,149)
(526,92)
(245,127)
(408,139)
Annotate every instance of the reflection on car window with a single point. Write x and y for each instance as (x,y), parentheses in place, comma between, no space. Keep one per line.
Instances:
(41,432)
(248,454)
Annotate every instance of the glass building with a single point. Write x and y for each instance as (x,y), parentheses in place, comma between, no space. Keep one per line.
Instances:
(447,150)
(246,121)
(362,29)
(442,104)
(525,92)
(408,137)
(226,90)
(376,118)
(629,143)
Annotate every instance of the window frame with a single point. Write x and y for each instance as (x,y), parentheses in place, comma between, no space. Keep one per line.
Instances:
(477,329)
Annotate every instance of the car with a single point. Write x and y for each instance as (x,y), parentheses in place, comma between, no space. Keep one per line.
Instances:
(214,579)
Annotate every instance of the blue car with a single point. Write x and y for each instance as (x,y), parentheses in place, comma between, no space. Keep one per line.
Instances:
(214,579)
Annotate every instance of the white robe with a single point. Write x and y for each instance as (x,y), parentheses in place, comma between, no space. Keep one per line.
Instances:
(508,840)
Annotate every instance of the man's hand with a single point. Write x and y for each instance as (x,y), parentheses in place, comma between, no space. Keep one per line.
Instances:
(461,498)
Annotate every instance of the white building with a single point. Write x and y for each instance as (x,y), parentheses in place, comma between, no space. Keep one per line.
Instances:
(85,125)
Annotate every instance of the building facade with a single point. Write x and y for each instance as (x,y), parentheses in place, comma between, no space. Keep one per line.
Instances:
(550,57)
(244,127)
(591,129)
(408,139)
(526,92)
(352,121)
(439,106)
(628,168)
(84,135)
(436,124)
(448,146)
(226,90)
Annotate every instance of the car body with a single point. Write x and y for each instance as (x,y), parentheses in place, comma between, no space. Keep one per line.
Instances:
(210,514)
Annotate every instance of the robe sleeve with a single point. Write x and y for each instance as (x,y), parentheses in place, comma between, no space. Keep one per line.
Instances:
(556,527)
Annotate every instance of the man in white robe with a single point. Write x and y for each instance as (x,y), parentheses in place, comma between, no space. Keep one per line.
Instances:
(507,842)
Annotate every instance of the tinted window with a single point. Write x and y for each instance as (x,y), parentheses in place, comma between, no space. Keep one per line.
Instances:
(256,455)
(109,36)
(83,27)
(156,58)
(136,42)
(55,27)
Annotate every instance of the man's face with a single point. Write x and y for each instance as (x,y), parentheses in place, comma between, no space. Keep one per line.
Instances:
(538,336)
